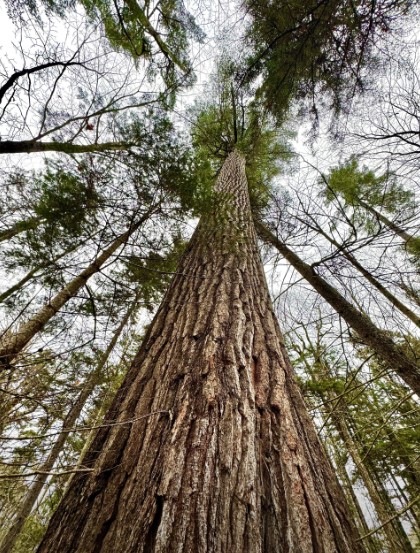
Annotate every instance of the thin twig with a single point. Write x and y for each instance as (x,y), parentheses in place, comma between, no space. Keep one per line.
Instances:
(390,519)
(42,472)
(85,428)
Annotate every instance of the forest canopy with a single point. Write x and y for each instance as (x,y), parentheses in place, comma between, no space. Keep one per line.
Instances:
(120,123)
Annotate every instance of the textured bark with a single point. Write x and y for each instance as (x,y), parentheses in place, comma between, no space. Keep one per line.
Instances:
(209,447)
(12,344)
(31,497)
(384,347)
(34,146)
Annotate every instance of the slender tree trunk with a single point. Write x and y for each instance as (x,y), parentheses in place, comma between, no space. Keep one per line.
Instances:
(104,395)
(70,420)
(370,543)
(370,278)
(412,513)
(20,226)
(410,461)
(33,146)
(392,354)
(395,542)
(411,292)
(389,469)
(30,274)
(408,458)
(12,344)
(384,494)
(407,237)
(211,448)
(337,412)
(30,498)
(10,291)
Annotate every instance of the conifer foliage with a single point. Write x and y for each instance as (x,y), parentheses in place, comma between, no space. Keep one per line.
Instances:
(155,238)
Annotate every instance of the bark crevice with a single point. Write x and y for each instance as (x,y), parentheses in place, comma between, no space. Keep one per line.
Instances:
(237,464)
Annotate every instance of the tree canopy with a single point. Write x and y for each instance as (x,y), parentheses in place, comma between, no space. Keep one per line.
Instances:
(116,118)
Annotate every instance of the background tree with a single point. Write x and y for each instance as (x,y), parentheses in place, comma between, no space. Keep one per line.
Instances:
(317,51)
(361,188)
(70,93)
(326,386)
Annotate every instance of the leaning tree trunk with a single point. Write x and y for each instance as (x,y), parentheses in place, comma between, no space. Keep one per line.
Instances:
(28,502)
(392,354)
(337,411)
(370,278)
(33,272)
(13,343)
(407,237)
(209,447)
(384,493)
(20,226)
(20,284)
(395,542)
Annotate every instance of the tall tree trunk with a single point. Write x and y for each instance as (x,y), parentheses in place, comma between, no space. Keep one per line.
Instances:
(20,226)
(413,512)
(384,493)
(209,446)
(407,459)
(370,278)
(13,343)
(70,420)
(104,398)
(389,469)
(30,498)
(392,354)
(15,287)
(410,291)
